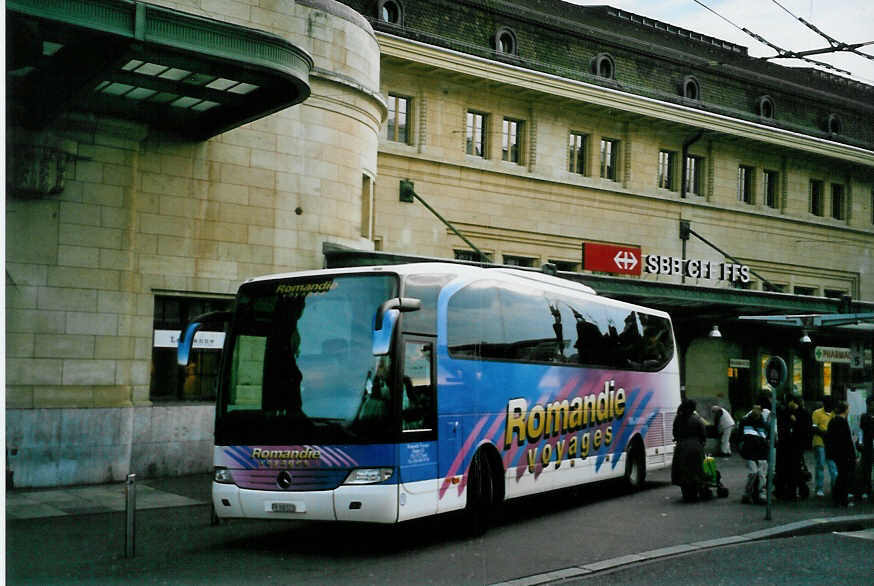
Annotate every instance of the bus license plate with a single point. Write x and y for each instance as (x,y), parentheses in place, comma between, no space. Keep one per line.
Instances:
(283,507)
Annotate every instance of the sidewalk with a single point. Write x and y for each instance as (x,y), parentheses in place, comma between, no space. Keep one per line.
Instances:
(153,493)
(811,514)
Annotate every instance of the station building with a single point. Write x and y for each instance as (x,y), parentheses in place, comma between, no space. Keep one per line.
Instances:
(160,153)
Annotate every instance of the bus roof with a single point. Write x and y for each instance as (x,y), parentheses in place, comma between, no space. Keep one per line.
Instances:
(463,271)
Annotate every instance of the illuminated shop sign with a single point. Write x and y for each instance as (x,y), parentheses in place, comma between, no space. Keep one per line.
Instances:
(628,260)
(830,354)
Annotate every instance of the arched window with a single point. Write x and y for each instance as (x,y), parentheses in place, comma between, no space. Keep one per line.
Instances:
(603,66)
(505,41)
(690,89)
(390,11)
(766,107)
(834,124)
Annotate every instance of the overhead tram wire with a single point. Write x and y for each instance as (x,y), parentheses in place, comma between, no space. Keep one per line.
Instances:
(836,45)
(781,53)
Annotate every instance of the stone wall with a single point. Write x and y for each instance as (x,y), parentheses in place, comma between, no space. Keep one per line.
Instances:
(52,447)
(144,213)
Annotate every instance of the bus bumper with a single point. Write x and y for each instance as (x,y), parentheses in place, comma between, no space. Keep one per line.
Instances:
(368,503)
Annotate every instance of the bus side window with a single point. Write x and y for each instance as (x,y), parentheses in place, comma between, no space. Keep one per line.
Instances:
(425,288)
(474,328)
(528,334)
(417,409)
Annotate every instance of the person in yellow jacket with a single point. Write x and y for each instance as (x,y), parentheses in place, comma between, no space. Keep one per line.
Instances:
(821,418)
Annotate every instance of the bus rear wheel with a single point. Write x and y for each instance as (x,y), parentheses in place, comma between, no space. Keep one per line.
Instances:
(635,468)
(481,494)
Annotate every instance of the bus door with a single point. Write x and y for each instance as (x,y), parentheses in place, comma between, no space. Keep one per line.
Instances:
(417,458)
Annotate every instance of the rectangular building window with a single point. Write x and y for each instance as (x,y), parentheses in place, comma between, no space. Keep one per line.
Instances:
(170,382)
(565,265)
(397,128)
(772,188)
(816,197)
(511,140)
(810,291)
(694,168)
(839,202)
(367,214)
(475,136)
(834,293)
(518,261)
(667,161)
(471,255)
(745,184)
(609,158)
(577,153)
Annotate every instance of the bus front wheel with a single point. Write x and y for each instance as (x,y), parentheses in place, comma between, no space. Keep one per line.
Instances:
(481,493)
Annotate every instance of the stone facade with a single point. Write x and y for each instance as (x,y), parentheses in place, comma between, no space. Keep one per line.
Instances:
(540,210)
(141,214)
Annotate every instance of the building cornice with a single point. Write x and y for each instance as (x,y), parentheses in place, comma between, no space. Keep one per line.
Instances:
(478,67)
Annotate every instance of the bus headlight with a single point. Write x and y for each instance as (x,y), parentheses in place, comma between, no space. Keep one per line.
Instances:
(223,475)
(368,475)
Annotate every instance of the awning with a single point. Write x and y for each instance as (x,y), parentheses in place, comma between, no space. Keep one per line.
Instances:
(685,303)
(192,76)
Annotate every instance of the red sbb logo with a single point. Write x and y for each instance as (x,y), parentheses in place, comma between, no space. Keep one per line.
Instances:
(611,258)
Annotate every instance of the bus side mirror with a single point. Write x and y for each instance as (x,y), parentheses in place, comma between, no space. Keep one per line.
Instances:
(386,319)
(186,339)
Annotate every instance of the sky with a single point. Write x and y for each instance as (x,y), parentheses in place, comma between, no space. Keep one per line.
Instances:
(846,21)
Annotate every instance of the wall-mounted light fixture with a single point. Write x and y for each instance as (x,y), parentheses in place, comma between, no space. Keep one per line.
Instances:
(714,332)
(407,194)
(805,339)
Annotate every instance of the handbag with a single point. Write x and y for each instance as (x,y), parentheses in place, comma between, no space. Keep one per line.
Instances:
(806,476)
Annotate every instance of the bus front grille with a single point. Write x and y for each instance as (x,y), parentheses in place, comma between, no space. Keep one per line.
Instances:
(291,480)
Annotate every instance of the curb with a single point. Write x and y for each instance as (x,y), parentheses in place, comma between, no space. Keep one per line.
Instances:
(806,527)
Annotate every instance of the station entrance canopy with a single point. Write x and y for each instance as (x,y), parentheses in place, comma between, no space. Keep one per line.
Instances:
(685,303)
(192,76)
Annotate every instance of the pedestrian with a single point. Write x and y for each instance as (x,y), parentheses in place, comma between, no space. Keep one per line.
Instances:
(866,424)
(687,466)
(754,450)
(723,424)
(793,439)
(840,449)
(821,418)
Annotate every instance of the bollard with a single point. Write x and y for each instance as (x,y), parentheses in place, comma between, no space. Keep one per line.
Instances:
(130,508)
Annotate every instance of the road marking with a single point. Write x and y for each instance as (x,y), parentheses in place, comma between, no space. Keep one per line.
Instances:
(865,534)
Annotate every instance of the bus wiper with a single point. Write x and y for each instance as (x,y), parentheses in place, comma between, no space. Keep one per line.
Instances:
(324,421)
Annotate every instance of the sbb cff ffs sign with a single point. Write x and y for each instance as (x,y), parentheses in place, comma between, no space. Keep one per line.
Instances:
(611,258)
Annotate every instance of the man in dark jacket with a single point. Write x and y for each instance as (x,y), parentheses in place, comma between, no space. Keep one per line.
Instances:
(793,437)
(840,449)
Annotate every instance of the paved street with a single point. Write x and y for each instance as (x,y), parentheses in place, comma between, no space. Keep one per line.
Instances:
(834,557)
(566,534)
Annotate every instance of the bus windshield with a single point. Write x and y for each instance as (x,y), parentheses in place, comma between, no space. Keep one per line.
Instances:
(300,367)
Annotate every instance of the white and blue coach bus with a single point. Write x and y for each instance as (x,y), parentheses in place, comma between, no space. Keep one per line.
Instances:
(388,393)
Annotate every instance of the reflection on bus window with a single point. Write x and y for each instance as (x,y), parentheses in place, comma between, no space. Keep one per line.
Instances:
(492,321)
(418,399)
